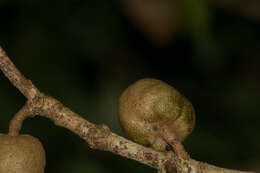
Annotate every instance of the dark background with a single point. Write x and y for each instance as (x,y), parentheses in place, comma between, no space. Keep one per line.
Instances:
(85,53)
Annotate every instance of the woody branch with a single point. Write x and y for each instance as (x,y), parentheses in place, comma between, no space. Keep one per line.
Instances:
(96,136)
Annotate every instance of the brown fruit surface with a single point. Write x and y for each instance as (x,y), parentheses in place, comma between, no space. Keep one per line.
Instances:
(21,154)
(147,105)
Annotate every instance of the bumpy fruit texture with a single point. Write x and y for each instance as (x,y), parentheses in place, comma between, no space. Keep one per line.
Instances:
(147,105)
(21,154)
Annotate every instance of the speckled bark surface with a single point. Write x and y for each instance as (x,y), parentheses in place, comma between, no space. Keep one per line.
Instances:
(97,136)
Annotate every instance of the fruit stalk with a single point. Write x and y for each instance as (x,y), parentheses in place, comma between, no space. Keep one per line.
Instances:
(99,136)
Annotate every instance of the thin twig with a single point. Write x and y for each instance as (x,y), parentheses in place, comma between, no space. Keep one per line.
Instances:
(97,136)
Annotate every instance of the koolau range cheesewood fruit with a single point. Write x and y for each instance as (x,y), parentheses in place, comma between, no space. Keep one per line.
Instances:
(149,104)
(21,154)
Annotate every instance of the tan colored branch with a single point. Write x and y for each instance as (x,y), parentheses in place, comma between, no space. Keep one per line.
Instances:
(16,78)
(96,136)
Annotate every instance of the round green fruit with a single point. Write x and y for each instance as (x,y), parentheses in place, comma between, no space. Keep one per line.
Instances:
(149,104)
(21,154)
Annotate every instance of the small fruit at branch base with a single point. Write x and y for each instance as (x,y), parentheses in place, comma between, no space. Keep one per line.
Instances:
(149,104)
(21,154)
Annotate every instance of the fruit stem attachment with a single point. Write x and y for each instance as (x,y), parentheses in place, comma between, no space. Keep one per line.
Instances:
(171,140)
(17,121)
(98,137)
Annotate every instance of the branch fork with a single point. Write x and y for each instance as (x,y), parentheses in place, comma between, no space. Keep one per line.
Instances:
(98,136)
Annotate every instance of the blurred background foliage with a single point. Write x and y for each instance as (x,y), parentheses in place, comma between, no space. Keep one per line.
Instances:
(85,53)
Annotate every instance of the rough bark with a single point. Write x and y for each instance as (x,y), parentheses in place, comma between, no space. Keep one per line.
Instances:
(96,136)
